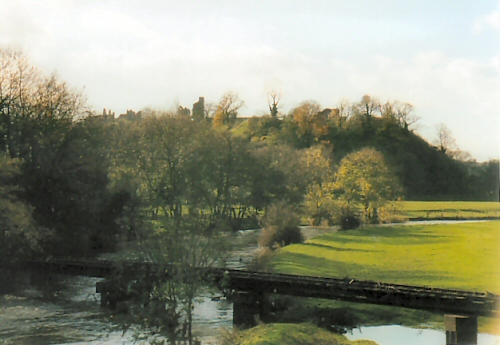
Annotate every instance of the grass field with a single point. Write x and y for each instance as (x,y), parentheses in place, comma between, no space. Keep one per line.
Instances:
(463,256)
(450,209)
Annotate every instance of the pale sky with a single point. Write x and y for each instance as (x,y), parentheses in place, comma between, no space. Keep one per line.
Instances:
(440,55)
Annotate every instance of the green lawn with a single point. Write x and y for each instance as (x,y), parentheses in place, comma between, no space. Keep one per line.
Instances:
(450,209)
(462,256)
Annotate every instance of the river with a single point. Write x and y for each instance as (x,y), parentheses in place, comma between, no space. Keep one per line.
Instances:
(66,310)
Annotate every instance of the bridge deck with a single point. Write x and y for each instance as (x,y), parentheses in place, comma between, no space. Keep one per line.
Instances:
(348,289)
(362,291)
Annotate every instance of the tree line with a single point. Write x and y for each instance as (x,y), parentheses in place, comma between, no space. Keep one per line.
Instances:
(75,182)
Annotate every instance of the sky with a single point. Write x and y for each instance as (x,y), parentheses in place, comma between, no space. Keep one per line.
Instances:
(442,56)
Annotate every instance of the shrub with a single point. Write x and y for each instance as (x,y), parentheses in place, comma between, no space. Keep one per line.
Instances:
(274,237)
(347,217)
(322,218)
(262,260)
(349,222)
(391,213)
(280,227)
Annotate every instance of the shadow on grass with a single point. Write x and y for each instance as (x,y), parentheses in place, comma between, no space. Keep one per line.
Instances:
(303,264)
(331,247)
(386,234)
(449,210)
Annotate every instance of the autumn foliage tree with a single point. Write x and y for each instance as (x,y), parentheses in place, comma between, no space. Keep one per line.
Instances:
(364,184)
(310,123)
(320,178)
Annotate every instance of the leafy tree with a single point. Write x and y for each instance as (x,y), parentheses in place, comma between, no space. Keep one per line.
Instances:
(63,170)
(264,128)
(223,181)
(310,123)
(188,167)
(177,248)
(319,187)
(21,237)
(184,195)
(363,182)
(161,158)
(288,176)
(485,182)
(69,190)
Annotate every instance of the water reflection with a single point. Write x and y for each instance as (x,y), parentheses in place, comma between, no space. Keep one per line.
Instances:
(397,335)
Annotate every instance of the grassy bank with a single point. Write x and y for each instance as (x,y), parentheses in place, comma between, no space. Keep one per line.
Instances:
(450,209)
(463,256)
(290,334)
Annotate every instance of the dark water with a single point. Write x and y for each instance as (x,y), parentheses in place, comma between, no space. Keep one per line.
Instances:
(67,311)
(32,314)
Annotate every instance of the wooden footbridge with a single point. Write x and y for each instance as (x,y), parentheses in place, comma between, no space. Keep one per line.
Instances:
(250,288)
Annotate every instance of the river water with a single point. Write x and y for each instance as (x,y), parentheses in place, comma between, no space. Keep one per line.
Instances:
(65,310)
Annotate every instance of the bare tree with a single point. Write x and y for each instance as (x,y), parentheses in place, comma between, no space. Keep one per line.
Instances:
(367,108)
(447,144)
(227,109)
(273,99)
(445,141)
(405,115)
(32,104)
(402,113)
(345,112)
(210,110)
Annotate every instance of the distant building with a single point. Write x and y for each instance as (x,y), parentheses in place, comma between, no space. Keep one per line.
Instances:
(328,113)
(183,112)
(108,114)
(199,109)
(130,115)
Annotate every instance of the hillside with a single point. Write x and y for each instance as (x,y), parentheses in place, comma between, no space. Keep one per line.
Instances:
(425,171)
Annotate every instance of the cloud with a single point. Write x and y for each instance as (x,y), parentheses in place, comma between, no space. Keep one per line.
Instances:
(462,93)
(490,21)
(18,28)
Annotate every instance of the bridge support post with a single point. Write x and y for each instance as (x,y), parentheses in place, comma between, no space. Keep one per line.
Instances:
(460,330)
(108,298)
(248,307)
